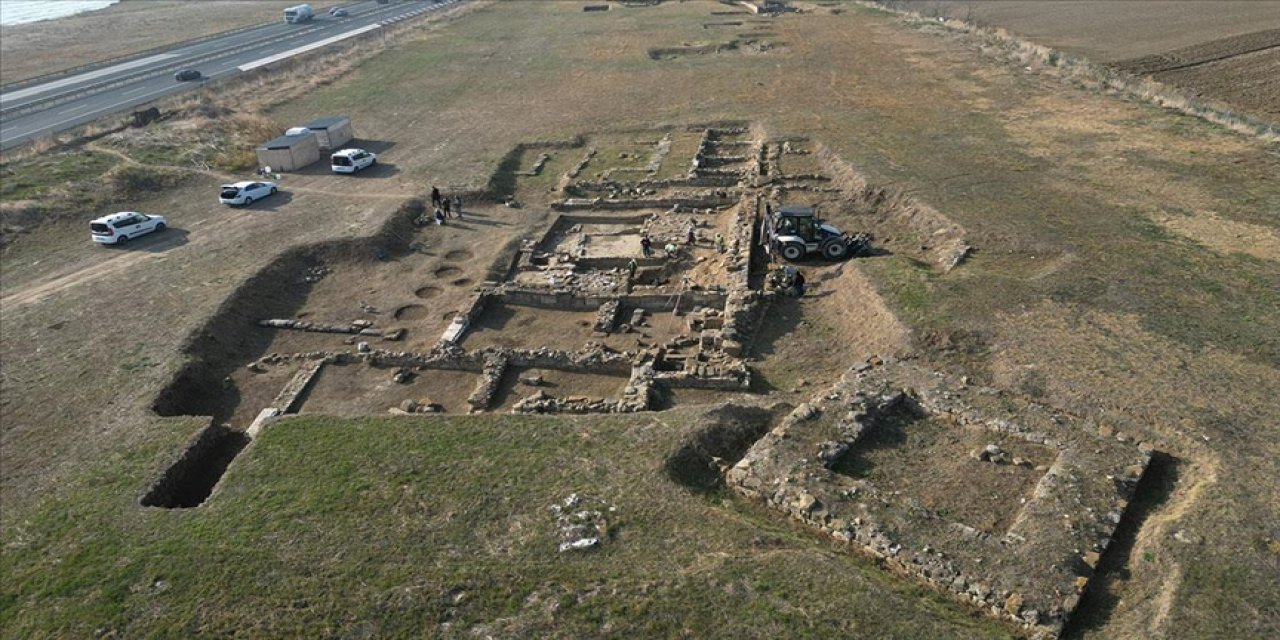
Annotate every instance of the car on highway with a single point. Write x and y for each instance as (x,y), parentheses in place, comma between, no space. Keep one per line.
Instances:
(338,12)
(118,228)
(245,193)
(187,75)
(352,160)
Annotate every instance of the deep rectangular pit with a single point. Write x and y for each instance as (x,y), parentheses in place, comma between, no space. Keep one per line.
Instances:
(908,453)
(191,479)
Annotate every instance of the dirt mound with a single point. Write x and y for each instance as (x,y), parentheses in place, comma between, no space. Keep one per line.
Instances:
(459,255)
(428,291)
(730,431)
(869,327)
(943,239)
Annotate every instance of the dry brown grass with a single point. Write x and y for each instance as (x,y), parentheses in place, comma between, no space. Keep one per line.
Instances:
(38,48)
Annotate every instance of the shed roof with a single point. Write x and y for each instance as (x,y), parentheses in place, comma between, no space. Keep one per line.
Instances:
(327,122)
(287,142)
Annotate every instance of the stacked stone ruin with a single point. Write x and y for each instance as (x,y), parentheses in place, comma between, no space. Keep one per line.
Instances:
(1033,572)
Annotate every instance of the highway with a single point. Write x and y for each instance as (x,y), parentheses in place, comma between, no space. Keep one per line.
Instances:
(29,110)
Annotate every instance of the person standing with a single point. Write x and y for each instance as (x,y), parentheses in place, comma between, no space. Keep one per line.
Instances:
(797,284)
(720,242)
(457,206)
(435,197)
(631,270)
(689,236)
(646,246)
(444,204)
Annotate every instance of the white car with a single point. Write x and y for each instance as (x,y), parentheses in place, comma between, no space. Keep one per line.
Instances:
(352,160)
(118,228)
(245,192)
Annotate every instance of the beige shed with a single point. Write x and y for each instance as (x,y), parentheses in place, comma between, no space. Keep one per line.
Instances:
(333,132)
(289,153)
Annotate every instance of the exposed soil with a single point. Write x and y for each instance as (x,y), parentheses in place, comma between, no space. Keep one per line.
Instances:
(732,430)
(411,312)
(560,384)
(841,319)
(932,461)
(429,291)
(359,390)
(1240,71)
(252,391)
(447,272)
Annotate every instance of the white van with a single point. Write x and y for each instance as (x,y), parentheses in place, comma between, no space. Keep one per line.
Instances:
(352,160)
(117,228)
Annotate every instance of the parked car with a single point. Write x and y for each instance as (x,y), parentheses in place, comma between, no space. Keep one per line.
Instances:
(243,193)
(352,160)
(187,75)
(338,12)
(118,228)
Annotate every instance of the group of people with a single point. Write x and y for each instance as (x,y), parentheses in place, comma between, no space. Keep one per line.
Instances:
(445,206)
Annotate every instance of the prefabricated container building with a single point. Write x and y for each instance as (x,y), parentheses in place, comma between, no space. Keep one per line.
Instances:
(289,153)
(333,131)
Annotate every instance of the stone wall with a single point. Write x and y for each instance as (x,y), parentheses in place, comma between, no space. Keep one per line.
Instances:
(1033,573)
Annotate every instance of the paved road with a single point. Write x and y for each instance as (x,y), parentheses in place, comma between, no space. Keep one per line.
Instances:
(58,104)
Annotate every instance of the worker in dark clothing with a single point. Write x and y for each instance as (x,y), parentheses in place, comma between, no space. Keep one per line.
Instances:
(797,284)
(435,197)
(646,246)
(444,204)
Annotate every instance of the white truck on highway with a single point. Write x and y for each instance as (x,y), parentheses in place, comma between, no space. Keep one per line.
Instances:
(298,14)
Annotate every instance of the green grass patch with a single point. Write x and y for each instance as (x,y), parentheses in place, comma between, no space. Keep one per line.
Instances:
(440,527)
(40,176)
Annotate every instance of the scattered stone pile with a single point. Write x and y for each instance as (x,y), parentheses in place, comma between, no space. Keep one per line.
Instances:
(421,405)
(362,327)
(582,523)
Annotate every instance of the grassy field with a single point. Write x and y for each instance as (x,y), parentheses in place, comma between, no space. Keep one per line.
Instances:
(448,522)
(1081,292)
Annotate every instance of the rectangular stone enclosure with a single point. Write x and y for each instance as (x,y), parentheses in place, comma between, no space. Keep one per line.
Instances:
(1005,503)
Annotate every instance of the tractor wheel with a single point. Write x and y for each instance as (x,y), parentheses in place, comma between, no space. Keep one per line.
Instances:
(835,249)
(792,251)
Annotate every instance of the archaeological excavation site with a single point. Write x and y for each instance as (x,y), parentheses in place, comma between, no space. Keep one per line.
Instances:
(655,273)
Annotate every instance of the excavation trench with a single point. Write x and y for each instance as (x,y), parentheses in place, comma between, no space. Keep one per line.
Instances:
(230,339)
(190,480)
(698,463)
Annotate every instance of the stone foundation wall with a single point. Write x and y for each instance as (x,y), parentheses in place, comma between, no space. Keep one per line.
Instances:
(1031,575)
